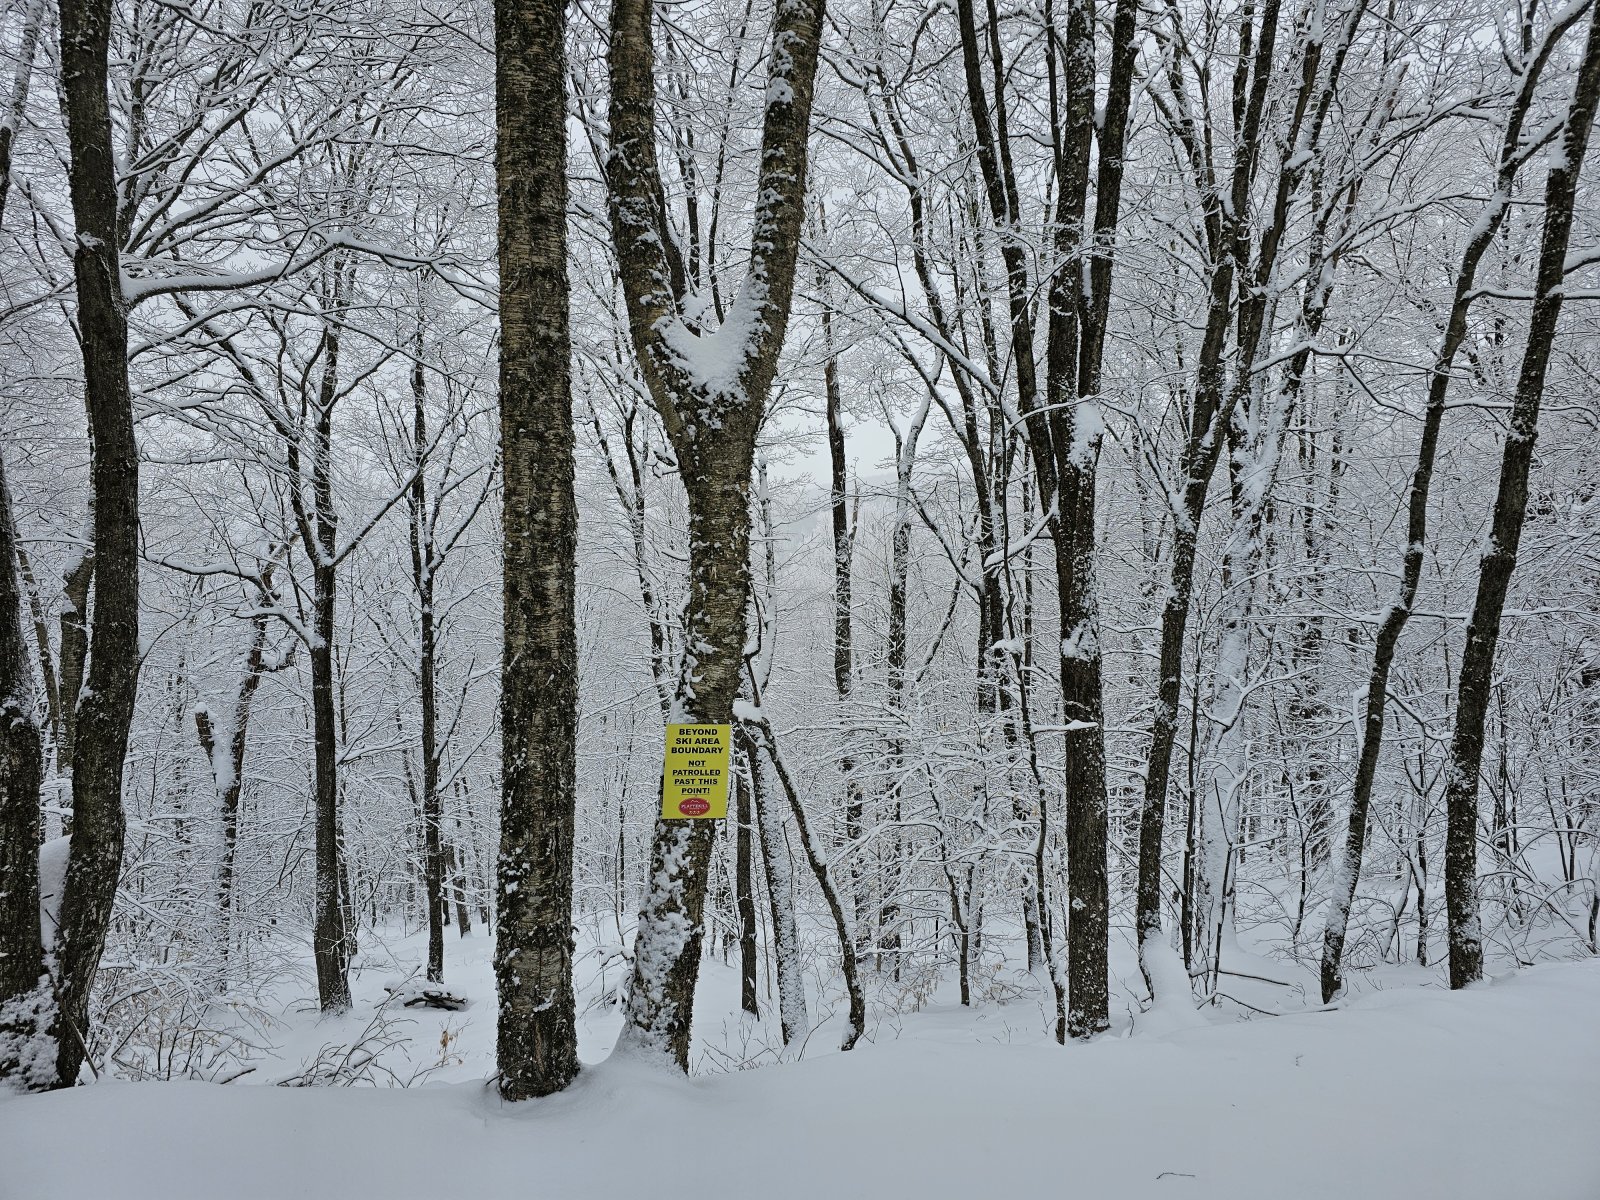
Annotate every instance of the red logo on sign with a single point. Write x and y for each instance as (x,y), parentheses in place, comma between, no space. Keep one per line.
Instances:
(694,806)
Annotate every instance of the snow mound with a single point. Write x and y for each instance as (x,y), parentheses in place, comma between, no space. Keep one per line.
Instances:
(1488,1093)
(419,993)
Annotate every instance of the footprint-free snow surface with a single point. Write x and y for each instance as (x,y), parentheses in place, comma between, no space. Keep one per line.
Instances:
(1410,1093)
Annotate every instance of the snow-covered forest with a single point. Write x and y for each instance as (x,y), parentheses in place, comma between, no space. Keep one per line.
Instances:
(1125,475)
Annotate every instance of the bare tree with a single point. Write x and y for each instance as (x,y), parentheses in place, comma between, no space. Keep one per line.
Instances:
(1476,680)
(105,709)
(710,388)
(1515,151)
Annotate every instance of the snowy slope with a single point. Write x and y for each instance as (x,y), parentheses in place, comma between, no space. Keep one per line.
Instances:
(1410,1093)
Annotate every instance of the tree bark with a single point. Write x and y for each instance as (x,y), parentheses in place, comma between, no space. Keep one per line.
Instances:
(538,1049)
(24,992)
(745,893)
(422,565)
(330,932)
(105,709)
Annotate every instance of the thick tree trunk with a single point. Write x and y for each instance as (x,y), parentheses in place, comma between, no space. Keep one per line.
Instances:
(538,1050)
(1511,502)
(667,950)
(105,709)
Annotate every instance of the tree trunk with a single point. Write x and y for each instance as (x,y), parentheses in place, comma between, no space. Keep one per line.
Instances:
(1347,863)
(26,1060)
(422,564)
(843,650)
(1511,502)
(227,768)
(830,894)
(710,388)
(77,581)
(105,709)
(745,893)
(538,1049)
(780,895)
(330,933)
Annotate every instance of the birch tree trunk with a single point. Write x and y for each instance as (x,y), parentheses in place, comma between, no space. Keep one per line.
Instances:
(779,872)
(538,1048)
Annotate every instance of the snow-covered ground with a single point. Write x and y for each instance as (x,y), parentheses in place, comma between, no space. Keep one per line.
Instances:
(1408,1092)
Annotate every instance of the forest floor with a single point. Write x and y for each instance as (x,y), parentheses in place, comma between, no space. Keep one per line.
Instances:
(1404,1092)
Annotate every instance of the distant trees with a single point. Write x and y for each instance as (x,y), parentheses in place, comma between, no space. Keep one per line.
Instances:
(1060,441)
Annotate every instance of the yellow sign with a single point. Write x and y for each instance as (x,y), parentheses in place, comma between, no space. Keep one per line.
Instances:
(694,781)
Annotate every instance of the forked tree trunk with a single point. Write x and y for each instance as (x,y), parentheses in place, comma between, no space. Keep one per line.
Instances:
(538,1047)
(710,388)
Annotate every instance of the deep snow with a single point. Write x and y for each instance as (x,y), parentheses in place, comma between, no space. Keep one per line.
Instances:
(1408,1093)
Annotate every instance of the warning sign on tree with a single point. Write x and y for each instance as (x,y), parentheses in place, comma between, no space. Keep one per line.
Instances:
(694,781)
